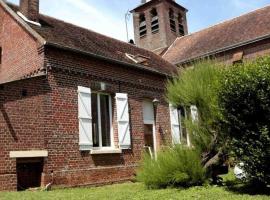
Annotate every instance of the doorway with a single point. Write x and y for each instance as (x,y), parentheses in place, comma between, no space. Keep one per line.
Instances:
(29,172)
(149,128)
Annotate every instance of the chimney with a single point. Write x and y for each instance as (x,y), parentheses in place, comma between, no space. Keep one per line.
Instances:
(30,9)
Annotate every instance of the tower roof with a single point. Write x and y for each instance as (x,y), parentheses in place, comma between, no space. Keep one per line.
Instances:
(152,2)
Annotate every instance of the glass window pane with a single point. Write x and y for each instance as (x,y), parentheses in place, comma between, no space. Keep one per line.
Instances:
(95,120)
(105,120)
(183,131)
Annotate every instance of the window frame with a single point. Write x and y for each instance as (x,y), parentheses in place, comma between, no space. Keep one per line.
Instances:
(172,20)
(154,20)
(142,25)
(181,126)
(100,147)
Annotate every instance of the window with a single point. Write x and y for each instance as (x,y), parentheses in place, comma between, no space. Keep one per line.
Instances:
(154,21)
(180,25)
(238,58)
(182,116)
(172,20)
(101,120)
(178,117)
(142,26)
(95,121)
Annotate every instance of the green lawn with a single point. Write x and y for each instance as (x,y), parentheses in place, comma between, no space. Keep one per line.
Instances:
(129,191)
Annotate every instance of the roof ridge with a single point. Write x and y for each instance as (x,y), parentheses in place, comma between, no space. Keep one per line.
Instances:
(225,21)
(87,29)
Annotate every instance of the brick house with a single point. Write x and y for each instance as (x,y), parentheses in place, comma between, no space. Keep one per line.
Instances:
(232,41)
(78,108)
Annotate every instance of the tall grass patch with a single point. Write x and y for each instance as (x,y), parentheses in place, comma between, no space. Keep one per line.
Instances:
(177,166)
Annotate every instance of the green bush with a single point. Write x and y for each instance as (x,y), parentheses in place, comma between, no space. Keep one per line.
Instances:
(199,86)
(245,100)
(176,166)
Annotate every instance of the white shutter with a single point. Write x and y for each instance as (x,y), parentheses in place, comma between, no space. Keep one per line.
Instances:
(123,121)
(194,114)
(175,125)
(85,118)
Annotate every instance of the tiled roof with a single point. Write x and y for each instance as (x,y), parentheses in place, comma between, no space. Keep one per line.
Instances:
(74,37)
(248,27)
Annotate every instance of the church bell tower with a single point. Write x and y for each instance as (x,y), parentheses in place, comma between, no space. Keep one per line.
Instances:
(157,23)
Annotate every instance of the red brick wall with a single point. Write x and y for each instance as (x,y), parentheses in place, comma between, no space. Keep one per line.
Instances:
(72,167)
(19,49)
(21,123)
(47,119)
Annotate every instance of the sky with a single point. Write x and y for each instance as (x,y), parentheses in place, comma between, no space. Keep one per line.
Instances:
(108,16)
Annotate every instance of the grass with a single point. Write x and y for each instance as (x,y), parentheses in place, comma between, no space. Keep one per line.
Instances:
(134,191)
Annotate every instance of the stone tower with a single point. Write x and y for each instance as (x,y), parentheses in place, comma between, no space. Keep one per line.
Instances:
(157,23)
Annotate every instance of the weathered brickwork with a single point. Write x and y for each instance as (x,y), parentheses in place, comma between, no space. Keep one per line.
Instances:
(21,123)
(250,52)
(21,48)
(47,119)
(162,39)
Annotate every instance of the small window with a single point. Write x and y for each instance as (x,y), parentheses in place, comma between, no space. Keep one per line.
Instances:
(101,120)
(154,21)
(238,58)
(180,25)
(172,20)
(142,26)
(182,116)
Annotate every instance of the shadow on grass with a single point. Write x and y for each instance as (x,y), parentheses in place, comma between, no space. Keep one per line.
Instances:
(239,187)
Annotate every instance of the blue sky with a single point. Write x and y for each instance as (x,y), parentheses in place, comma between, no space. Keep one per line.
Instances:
(107,16)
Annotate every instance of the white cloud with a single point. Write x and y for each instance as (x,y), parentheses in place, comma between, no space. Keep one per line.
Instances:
(86,15)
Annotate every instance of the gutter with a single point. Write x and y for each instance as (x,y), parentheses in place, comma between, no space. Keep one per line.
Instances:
(230,47)
(111,60)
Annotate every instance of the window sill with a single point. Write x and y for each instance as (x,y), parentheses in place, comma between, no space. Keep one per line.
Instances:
(105,151)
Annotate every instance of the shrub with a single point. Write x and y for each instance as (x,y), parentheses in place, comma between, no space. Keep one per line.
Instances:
(199,86)
(176,166)
(245,100)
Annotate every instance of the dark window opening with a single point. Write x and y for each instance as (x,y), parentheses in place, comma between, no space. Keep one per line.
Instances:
(172,20)
(154,21)
(182,116)
(180,25)
(24,93)
(142,26)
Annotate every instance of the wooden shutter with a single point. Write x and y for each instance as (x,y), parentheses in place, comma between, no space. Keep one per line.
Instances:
(123,121)
(85,118)
(175,125)
(194,114)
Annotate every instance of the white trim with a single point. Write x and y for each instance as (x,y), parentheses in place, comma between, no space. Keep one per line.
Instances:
(111,121)
(28,154)
(27,20)
(83,90)
(105,151)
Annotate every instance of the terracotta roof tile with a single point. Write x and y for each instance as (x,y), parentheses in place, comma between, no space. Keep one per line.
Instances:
(240,29)
(75,37)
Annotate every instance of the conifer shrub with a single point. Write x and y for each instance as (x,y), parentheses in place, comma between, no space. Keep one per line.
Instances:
(177,166)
